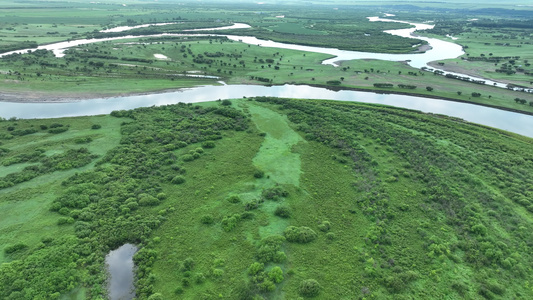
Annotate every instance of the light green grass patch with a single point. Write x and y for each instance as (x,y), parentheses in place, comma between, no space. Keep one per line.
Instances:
(276,157)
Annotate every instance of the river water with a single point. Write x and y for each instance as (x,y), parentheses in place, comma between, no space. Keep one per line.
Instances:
(120,265)
(513,122)
(440,50)
(510,121)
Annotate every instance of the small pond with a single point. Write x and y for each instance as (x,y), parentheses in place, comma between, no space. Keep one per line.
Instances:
(120,265)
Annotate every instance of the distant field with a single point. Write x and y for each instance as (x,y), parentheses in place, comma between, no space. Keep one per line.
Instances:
(120,67)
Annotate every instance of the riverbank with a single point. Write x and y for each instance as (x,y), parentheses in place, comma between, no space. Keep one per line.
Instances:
(58,97)
(382,91)
(474,71)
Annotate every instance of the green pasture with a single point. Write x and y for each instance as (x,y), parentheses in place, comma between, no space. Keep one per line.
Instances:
(236,63)
(28,206)
(389,196)
(495,43)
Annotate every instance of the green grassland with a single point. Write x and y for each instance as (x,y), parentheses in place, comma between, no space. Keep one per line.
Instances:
(47,22)
(267,198)
(120,68)
(130,66)
(499,50)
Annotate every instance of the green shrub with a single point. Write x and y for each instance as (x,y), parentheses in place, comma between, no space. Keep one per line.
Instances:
(178,179)
(269,249)
(156,296)
(259,174)
(43,127)
(148,200)
(255,268)
(233,199)
(309,288)
(495,287)
(226,102)
(132,205)
(247,215)
(199,150)
(208,144)
(58,130)
(324,226)
(187,157)
(251,205)
(65,220)
(96,126)
(207,219)
(282,211)
(218,273)
(14,248)
(185,282)
(460,287)
(479,229)
(187,264)
(279,257)
(267,286)
(274,193)
(83,140)
(199,278)
(228,223)
(276,275)
(394,284)
(300,235)
(181,144)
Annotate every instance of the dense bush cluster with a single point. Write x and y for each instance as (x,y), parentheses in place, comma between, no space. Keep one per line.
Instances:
(472,203)
(105,205)
(73,158)
(300,235)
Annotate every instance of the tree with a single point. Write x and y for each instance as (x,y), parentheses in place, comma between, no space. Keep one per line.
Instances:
(276,275)
(429,89)
(459,93)
(309,287)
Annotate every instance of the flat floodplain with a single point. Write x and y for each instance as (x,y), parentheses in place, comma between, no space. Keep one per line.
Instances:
(264,197)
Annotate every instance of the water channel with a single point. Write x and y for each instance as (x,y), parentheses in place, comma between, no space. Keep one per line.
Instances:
(514,122)
(119,262)
(439,49)
(506,120)
(119,265)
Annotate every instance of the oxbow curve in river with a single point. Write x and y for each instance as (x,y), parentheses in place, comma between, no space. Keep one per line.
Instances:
(439,49)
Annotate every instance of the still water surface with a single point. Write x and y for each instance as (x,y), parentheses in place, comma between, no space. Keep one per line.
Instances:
(120,265)
(510,121)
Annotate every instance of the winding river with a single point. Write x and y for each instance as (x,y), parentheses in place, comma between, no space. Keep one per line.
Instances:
(439,49)
(514,122)
(510,121)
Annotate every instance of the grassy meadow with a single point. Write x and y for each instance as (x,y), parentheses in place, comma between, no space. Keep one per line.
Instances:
(134,66)
(266,198)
